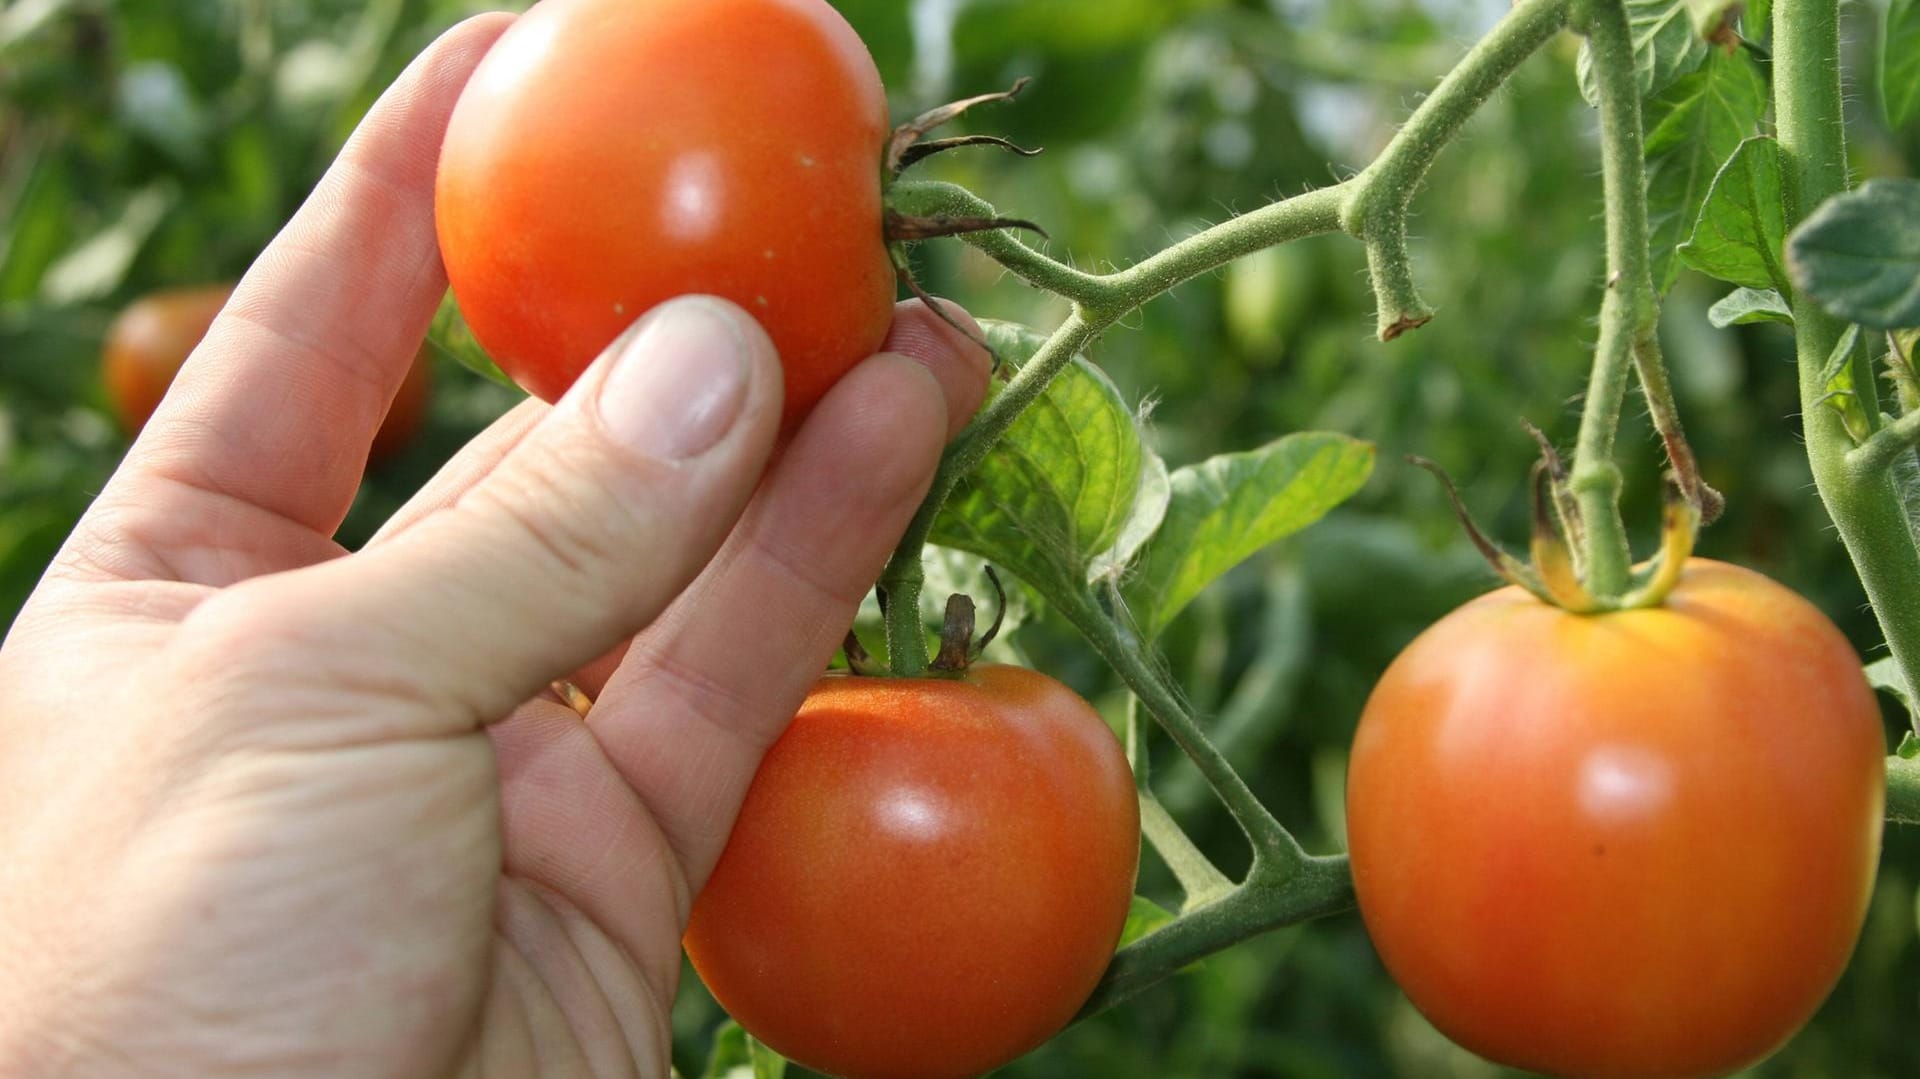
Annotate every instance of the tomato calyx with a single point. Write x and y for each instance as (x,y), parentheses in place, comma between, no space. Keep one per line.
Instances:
(1553,572)
(908,145)
(958,648)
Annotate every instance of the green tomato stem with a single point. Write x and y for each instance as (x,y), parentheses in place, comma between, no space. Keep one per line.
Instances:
(1878,452)
(1862,501)
(1199,878)
(1133,661)
(1268,900)
(903,576)
(1627,312)
(1377,200)
(1903,790)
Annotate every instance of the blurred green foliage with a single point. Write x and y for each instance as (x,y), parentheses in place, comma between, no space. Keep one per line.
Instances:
(154,144)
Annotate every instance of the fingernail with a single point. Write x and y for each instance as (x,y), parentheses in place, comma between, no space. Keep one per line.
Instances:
(678,382)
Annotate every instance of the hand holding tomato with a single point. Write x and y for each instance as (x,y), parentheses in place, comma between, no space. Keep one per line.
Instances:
(1636,844)
(270,807)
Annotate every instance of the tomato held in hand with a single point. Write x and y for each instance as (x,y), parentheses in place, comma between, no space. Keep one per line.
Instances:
(152,338)
(611,154)
(928,876)
(1628,844)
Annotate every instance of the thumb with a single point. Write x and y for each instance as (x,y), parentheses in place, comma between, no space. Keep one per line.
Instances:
(577,540)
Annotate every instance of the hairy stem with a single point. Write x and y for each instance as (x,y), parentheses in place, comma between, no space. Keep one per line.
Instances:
(903,576)
(1903,790)
(1199,878)
(1877,453)
(1628,311)
(1378,199)
(1272,843)
(1310,889)
(1865,508)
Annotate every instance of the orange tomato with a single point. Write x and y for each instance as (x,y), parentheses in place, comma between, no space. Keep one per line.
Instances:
(611,154)
(1628,844)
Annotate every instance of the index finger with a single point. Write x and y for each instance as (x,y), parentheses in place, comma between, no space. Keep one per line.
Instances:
(278,405)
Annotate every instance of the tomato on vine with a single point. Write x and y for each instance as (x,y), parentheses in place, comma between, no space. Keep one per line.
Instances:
(1638,843)
(927,878)
(608,155)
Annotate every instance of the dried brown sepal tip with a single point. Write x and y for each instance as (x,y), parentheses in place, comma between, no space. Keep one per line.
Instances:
(999,613)
(958,649)
(940,312)
(1510,569)
(859,660)
(1565,507)
(1391,328)
(908,134)
(956,636)
(920,151)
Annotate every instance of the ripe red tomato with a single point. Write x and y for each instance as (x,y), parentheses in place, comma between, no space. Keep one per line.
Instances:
(611,154)
(149,341)
(928,876)
(1629,844)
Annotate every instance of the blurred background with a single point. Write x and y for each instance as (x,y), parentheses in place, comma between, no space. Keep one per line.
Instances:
(152,145)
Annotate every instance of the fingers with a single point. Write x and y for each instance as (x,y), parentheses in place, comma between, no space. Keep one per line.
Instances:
(701,694)
(576,540)
(955,359)
(475,461)
(280,402)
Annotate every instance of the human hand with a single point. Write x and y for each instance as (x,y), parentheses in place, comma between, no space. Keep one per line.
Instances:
(257,813)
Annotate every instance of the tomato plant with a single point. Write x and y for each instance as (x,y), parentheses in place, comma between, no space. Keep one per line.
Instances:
(154,335)
(927,878)
(1629,844)
(608,155)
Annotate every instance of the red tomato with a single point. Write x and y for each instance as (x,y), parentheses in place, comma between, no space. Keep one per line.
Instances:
(611,154)
(149,341)
(1629,844)
(928,876)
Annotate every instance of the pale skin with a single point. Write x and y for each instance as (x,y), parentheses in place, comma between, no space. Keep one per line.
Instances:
(270,808)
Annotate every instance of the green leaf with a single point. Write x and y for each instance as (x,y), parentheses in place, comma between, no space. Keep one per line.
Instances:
(1691,128)
(1884,674)
(1900,63)
(1859,254)
(1143,917)
(1228,507)
(1756,22)
(1837,377)
(1738,236)
(1666,46)
(738,1055)
(1060,487)
(1149,509)
(1744,305)
(449,333)
(1909,742)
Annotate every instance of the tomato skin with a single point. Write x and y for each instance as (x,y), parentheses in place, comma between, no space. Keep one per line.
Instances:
(150,340)
(611,154)
(927,878)
(1633,844)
